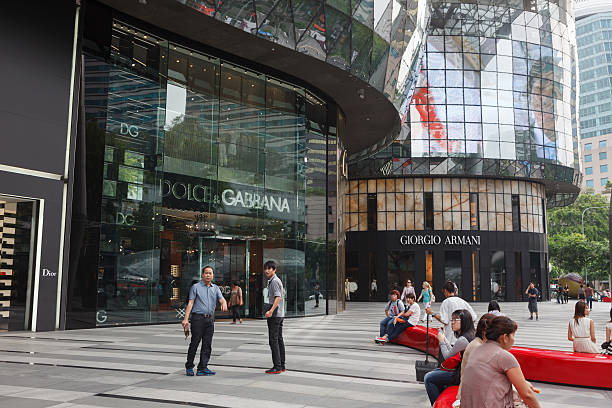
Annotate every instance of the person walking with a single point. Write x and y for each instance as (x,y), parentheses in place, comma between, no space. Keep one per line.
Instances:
(588,293)
(581,292)
(448,306)
(203,298)
(236,302)
(408,288)
(394,308)
(566,293)
(559,293)
(373,288)
(532,292)
(581,330)
(428,297)
(408,318)
(275,315)
(492,370)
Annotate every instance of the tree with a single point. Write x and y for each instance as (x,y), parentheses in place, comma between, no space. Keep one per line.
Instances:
(569,250)
(567,220)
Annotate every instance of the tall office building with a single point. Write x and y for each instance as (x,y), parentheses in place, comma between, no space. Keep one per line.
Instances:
(489,144)
(594,40)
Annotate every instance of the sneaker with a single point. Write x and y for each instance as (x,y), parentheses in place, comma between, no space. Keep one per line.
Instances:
(381,340)
(274,370)
(189,372)
(283,369)
(205,371)
(531,318)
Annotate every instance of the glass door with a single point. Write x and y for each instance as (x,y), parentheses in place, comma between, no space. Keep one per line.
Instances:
(17,252)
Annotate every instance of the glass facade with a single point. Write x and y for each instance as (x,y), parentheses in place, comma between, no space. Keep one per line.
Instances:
(196,161)
(377,41)
(495,96)
(594,39)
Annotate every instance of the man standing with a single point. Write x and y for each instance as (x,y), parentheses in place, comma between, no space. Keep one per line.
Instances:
(275,316)
(203,298)
(448,306)
(533,293)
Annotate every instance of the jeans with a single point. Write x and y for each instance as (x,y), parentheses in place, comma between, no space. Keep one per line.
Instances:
(589,301)
(235,313)
(275,338)
(397,329)
(202,329)
(559,298)
(385,325)
(436,381)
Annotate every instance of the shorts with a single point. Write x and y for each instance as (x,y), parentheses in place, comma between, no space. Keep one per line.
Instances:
(533,307)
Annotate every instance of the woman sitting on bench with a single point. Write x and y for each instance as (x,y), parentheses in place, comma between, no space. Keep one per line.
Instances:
(408,318)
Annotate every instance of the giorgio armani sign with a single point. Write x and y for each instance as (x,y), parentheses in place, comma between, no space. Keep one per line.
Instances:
(434,239)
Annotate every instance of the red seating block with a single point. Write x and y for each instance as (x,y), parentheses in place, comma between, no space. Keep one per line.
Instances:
(565,367)
(606,299)
(415,337)
(448,396)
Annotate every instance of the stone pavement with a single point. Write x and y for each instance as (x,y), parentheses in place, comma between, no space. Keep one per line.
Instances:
(332,362)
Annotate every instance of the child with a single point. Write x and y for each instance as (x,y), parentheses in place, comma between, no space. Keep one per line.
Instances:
(428,297)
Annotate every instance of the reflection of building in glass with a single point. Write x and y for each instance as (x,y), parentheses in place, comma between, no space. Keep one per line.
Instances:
(594,39)
(491,145)
(199,132)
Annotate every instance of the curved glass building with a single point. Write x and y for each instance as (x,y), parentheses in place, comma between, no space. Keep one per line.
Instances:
(492,143)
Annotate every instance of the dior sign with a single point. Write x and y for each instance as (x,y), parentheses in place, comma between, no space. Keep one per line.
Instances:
(467,240)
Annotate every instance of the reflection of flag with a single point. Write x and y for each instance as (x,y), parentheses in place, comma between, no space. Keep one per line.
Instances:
(426,106)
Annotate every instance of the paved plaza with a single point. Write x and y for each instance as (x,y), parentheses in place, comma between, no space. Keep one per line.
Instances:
(332,362)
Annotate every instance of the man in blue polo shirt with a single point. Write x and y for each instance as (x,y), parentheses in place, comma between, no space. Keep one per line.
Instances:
(203,298)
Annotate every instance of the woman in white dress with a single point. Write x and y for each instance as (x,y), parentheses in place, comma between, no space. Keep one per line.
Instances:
(581,330)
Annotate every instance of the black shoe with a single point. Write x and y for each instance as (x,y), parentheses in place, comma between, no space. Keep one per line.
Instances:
(531,318)
(274,370)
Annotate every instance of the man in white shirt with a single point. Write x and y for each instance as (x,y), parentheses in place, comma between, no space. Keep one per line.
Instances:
(408,318)
(448,306)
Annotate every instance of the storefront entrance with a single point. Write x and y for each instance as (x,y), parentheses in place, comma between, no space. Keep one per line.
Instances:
(17,253)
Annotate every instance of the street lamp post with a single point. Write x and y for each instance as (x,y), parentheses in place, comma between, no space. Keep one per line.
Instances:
(583,212)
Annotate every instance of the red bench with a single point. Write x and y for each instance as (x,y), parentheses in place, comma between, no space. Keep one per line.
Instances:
(448,396)
(565,367)
(606,299)
(415,337)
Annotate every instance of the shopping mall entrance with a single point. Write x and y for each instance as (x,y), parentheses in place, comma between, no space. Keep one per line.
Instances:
(190,242)
(17,262)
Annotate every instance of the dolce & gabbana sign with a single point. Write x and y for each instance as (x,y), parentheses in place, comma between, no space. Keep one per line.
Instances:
(183,192)
(434,239)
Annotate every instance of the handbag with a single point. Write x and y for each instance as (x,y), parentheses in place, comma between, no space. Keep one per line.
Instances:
(451,363)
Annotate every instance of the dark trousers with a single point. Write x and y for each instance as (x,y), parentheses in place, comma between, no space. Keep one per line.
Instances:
(397,329)
(202,329)
(589,301)
(235,313)
(275,337)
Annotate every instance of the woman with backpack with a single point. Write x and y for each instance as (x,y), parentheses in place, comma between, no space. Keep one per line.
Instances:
(394,308)
(449,372)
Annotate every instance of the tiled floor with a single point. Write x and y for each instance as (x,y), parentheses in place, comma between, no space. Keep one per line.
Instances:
(332,362)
